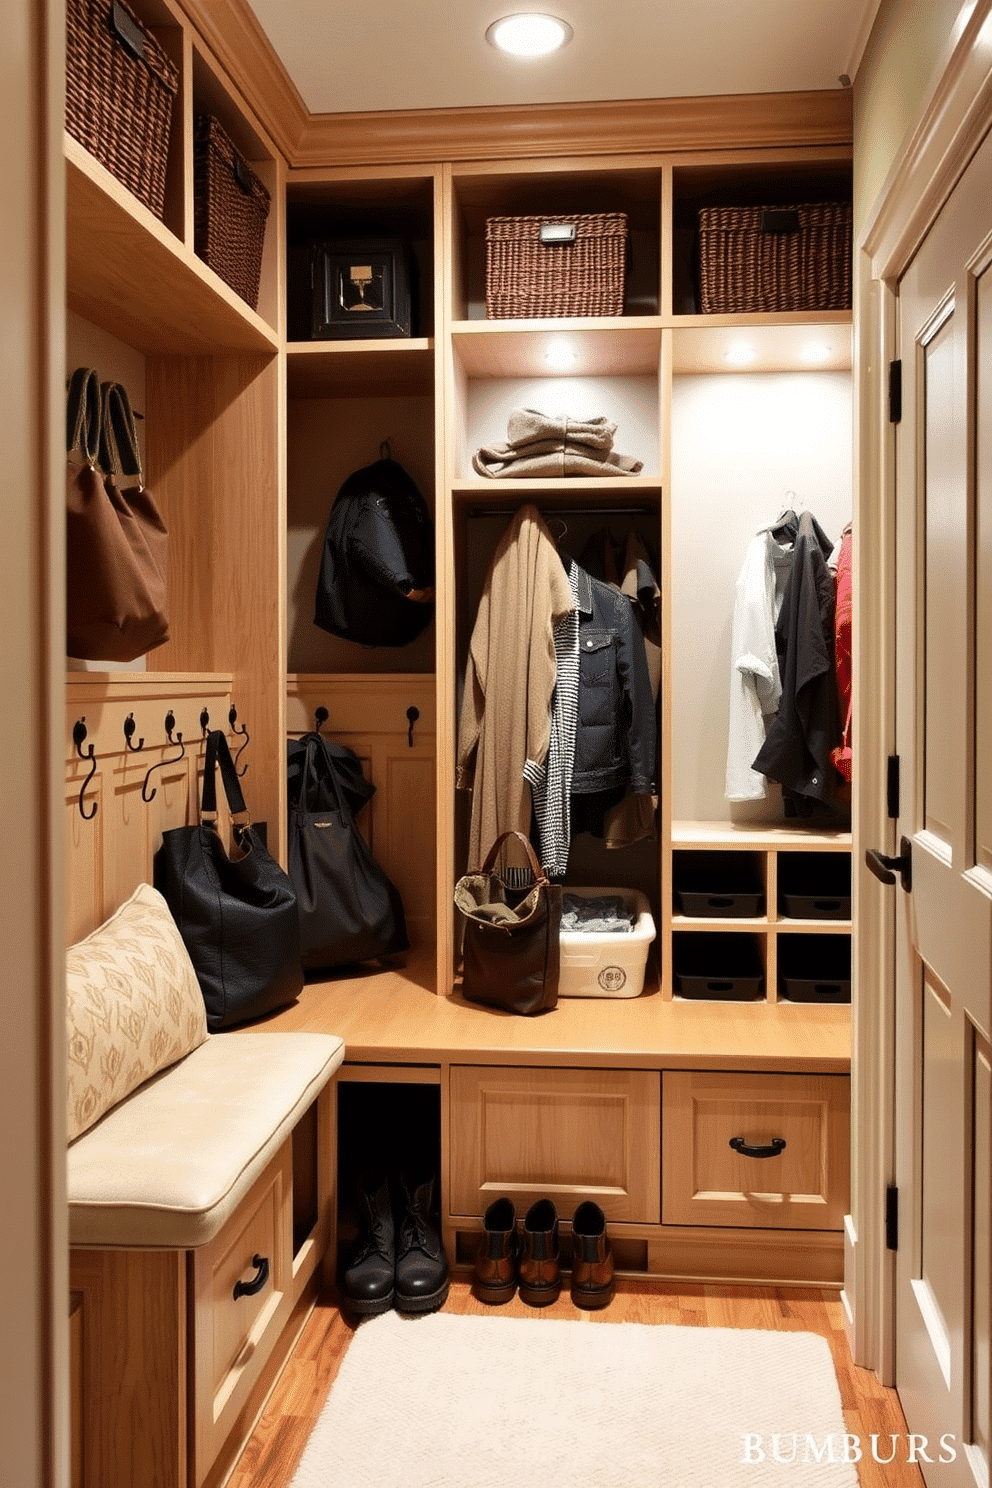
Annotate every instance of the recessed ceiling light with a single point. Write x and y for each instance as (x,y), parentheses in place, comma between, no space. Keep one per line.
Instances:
(529,35)
(741,354)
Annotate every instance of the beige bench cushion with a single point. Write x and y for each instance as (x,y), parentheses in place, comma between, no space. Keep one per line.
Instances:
(167,1166)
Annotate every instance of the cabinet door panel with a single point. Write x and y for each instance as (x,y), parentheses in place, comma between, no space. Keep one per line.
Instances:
(706,1181)
(570,1134)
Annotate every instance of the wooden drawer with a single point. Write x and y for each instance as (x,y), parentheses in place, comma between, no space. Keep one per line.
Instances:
(233,1335)
(706,1182)
(569,1134)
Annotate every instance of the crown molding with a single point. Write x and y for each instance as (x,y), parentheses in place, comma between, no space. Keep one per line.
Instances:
(230,29)
(231,32)
(615,127)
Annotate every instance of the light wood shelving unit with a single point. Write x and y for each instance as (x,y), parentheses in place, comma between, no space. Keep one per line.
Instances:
(248,436)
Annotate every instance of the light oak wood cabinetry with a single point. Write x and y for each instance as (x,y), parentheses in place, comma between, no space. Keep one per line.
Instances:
(565,1133)
(568,1105)
(762,1151)
(248,435)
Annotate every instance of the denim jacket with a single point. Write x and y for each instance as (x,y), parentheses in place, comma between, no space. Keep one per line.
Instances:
(615,739)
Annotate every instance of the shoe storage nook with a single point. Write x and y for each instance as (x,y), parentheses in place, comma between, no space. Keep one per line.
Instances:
(742,1028)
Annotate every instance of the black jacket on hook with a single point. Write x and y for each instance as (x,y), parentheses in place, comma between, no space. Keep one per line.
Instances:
(378,548)
(796,751)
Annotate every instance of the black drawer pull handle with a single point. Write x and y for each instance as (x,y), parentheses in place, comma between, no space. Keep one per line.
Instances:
(719,903)
(719,986)
(249,1288)
(775,1146)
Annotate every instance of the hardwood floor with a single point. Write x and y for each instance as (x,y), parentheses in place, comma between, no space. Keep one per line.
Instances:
(270,1458)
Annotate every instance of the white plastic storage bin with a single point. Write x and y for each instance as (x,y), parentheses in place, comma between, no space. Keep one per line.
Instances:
(606,964)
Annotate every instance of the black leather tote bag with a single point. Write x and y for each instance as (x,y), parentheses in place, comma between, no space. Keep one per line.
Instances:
(511,952)
(237,915)
(349,910)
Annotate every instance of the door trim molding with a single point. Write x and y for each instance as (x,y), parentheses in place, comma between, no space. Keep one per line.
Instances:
(953,119)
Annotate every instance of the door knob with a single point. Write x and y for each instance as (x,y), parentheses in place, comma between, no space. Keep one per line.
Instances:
(885,868)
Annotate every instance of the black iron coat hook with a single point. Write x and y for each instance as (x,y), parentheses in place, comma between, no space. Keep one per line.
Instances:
(170,723)
(320,717)
(242,732)
(205,721)
(129,730)
(78,738)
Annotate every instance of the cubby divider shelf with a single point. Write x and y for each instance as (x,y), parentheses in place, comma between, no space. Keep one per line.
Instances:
(128,273)
(325,369)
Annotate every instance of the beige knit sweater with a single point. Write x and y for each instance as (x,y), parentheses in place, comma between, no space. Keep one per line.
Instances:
(509,679)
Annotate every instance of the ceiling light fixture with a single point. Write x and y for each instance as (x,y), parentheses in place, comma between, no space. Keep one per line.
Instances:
(529,34)
(816,352)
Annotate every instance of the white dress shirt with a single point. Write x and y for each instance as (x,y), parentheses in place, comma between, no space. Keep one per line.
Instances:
(755,684)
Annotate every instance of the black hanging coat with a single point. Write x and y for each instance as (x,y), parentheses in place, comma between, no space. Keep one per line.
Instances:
(378,548)
(796,751)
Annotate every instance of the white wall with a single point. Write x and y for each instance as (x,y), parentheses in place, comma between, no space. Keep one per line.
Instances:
(740,444)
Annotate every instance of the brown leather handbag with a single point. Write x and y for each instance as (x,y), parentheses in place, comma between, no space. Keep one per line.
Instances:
(511,952)
(116,540)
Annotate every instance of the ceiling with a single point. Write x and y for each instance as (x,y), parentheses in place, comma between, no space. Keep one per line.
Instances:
(416,54)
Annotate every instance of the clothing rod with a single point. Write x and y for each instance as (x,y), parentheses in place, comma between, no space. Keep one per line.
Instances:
(570,511)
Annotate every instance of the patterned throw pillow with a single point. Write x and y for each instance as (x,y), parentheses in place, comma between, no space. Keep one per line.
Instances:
(133,1006)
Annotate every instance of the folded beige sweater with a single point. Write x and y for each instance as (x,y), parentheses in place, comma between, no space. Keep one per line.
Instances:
(540,445)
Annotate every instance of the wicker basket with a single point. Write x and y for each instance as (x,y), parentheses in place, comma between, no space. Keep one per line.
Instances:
(555,265)
(119,91)
(775,258)
(230,209)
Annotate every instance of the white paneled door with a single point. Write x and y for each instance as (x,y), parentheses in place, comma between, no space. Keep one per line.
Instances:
(944,740)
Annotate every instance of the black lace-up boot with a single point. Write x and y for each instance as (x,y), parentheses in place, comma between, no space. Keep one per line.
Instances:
(421,1266)
(368,1284)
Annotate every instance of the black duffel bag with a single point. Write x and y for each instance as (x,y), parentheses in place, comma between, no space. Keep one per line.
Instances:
(236,915)
(349,910)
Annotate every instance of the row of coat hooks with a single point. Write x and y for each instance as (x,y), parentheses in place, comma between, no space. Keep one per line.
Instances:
(173,737)
(321,716)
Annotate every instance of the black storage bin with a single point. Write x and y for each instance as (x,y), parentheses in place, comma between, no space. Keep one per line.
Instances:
(814,968)
(717,885)
(726,968)
(815,886)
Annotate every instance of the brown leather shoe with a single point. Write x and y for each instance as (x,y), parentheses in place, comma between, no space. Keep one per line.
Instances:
(540,1270)
(592,1260)
(495,1277)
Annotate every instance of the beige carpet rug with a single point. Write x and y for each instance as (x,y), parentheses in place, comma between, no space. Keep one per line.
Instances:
(446,1401)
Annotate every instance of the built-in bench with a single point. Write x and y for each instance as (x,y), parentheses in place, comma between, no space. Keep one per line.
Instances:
(200,1208)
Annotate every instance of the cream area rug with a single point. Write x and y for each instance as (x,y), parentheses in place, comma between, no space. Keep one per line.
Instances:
(446,1401)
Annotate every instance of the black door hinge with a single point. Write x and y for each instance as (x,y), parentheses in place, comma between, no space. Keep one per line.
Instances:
(892,1217)
(892,787)
(895,392)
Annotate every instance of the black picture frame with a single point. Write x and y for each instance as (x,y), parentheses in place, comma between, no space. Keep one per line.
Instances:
(360,289)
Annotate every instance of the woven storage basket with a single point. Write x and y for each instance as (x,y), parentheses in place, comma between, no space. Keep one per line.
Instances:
(230,209)
(526,277)
(747,262)
(119,95)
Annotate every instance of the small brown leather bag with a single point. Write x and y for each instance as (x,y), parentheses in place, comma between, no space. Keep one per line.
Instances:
(116,540)
(511,952)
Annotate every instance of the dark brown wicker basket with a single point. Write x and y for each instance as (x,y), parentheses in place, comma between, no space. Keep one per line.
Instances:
(230,209)
(119,90)
(775,258)
(526,277)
